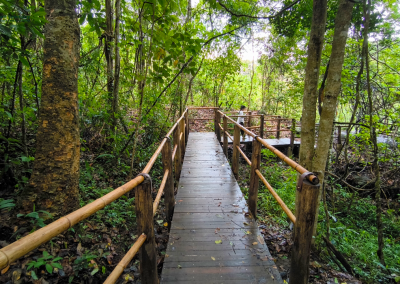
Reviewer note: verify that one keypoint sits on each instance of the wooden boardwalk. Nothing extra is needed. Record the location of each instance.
(211, 238)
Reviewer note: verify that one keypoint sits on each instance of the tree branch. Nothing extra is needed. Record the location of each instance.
(183, 68)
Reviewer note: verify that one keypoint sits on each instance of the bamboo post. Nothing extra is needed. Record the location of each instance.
(178, 157)
(218, 117)
(182, 141)
(292, 131)
(145, 222)
(249, 121)
(169, 197)
(225, 136)
(255, 165)
(187, 126)
(262, 126)
(278, 127)
(306, 209)
(235, 156)
(339, 138)
(215, 121)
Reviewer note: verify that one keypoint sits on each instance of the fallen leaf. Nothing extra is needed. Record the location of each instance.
(79, 249)
(260, 239)
(255, 243)
(218, 242)
(166, 224)
(179, 266)
(246, 224)
(5, 270)
(213, 258)
(247, 232)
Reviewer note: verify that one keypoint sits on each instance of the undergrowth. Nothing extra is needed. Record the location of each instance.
(352, 230)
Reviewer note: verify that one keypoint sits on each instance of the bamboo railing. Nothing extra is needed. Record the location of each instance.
(306, 197)
(145, 209)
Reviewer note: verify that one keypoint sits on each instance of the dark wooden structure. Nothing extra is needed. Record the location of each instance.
(212, 239)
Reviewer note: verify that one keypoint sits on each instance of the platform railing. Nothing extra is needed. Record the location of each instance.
(172, 157)
(306, 195)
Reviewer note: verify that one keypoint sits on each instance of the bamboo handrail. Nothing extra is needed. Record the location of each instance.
(244, 155)
(220, 126)
(116, 273)
(251, 127)
(277, 198)
(280, 130)
(201, 118)
(271, 190)
(227, 134)
(252, 115)
(21, 247)
(28, 243)
(241, 127)
(203, 107)
(160, 191)
(312, 178)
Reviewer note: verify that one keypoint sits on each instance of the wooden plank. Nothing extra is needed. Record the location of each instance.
(210, 207)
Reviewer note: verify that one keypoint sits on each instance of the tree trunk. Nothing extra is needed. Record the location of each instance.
(375, 165)
(108, 56)
(311, 83)
(332, 90)
(55, 178)
(117, 64)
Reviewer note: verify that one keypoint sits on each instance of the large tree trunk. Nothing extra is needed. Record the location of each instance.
(311, 83)
(332, 90)
(54, 182)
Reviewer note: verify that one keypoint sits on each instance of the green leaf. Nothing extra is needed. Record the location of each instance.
(218, 242)
(5, 31)
(36, 216)
(57, 258)
(39, 263)
(46, 255)
(49, 268)
(56, 265)
(94, 271)
(24, 61)
(70, 279)
(30, 265)
(33, 274)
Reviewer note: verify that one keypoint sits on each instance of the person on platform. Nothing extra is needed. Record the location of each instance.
(241, 119)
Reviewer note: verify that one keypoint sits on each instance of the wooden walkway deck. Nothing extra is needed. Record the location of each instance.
(211, 238)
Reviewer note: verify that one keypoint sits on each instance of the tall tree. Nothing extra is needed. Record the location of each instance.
(332, 89)
(310, 95)
(53, 185)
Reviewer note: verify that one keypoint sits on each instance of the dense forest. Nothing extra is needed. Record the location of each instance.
(89, 88)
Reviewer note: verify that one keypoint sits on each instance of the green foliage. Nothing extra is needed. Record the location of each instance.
(6, 203)
(49, 261)
(37, 218)
(82, 263)
(283, 180)
(354, 234)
